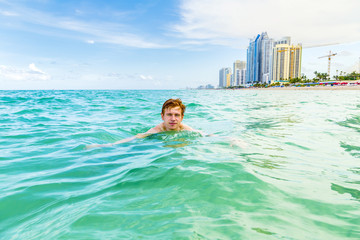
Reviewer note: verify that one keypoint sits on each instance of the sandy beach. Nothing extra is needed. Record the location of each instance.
(351, 87)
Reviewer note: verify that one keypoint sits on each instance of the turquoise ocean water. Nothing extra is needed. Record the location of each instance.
(297, 176)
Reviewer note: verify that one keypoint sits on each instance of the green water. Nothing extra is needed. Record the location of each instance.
(297, 176)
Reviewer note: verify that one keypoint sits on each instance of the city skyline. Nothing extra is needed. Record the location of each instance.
(52, 44)
(267, 61)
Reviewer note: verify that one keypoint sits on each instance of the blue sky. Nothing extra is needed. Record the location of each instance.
(172, 44)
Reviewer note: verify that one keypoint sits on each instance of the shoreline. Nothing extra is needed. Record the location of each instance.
(355, 87)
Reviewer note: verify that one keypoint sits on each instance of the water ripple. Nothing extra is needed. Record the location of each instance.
(295, 174)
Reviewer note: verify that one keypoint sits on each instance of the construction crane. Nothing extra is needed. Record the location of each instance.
(329, 57)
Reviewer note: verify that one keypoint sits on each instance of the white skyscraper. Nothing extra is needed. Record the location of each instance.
(224, 75)
(237, 67)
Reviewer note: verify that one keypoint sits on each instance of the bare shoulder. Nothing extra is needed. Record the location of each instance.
(186, 127)
(156, 129)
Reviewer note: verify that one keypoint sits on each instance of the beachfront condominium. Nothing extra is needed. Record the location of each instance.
(259, 57)
(284, 40)
(224, 77)
(286, 62)
(238, 73)
(228, 79)
(242, 77)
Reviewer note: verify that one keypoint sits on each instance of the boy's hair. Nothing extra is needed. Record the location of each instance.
(172, 103)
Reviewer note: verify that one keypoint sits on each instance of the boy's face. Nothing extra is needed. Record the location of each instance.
(172, 118)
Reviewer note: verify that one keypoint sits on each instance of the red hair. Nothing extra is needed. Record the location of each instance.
(172, 103)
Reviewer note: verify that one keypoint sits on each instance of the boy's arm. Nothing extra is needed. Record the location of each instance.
(233, 141)
(129, 139)
(188, 128)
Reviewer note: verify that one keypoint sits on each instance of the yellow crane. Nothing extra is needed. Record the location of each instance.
(329, 57)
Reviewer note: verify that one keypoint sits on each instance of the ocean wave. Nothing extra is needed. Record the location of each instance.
(296, 175)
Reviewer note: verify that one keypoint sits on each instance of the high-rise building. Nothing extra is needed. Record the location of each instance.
(259, 56)
(228, 79)
(252, 61)
(242, 77)
(237, 67)
(223, 76)
(284, 40)
(286, 62)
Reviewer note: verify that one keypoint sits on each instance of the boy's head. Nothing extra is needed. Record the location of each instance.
(173, 103)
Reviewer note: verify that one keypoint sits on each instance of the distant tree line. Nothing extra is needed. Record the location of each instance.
(350, 76)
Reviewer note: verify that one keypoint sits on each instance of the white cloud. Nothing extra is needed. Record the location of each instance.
(127, 77)
(8, 14)
(143, 77)
(306, 21)
(35, 70)
(132, 81)
(345, 53)
(102, 32)
(99, 31)
(32, 73)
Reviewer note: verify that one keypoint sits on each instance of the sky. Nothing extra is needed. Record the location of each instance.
(162, 44)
